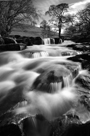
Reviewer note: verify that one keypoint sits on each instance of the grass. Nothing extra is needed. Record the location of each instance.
(30, 31)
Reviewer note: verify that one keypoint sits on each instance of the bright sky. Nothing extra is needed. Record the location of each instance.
(75, 5)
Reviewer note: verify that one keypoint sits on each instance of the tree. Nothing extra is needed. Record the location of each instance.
(84, 20)
(58, 16)
(70, 30)
(16, 12)
(80, 31)
(45, 28)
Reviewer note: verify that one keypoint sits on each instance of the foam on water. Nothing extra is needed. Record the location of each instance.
(26, 78)
(50, 106)
(46, 41)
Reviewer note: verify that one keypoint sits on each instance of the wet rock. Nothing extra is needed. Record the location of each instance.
(77, 130)
(9, 47)
(38, 41)
(51, 79)
(10, 130)
(38, 125)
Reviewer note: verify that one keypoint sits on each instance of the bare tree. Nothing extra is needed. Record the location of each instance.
(16, 12)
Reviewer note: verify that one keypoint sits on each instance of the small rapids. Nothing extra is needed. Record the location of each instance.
(46, 41)
(49, 86)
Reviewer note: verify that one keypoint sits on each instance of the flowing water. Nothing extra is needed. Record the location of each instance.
(46, 41)
(49, 86)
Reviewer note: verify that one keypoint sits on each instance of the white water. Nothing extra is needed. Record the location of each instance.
(18, 71)
(46, 41)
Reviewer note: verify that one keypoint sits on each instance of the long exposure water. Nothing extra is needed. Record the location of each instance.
(46, 83)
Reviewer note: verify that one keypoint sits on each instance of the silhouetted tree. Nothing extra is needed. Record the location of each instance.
(58, 16)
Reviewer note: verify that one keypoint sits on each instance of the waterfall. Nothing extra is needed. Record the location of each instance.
(40, 54)
(47, 41)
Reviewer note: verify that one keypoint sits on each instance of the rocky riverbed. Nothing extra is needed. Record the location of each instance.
(45, 91)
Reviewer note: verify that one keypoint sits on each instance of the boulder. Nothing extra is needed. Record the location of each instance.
(9, 40)
(9, 47)
(10, 130)
(52, 40)
(56, 40)
(38, 41)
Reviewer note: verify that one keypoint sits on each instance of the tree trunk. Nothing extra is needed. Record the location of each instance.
(59, 32)
(5, 31)
(59, 26)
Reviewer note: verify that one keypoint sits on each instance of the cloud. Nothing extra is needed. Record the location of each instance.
(43, 5)
(75, 7)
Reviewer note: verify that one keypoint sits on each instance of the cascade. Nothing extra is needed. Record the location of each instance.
(50, 86)
(47, 41)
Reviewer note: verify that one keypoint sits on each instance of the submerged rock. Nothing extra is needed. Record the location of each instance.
(56, 75)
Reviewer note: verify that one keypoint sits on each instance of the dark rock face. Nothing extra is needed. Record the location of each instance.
(32, 40)
(56, 40)
(33, 126)
(61, 127)
(52, 40)
(77, 130)
(17, 36)
(9, 47)
(84, 59)
(10, 130)
(8, 40)
(1, 40)
(9, 44)
(85, 47)
(40, 127)
(28, 41)
(19, 40)
(38, 41)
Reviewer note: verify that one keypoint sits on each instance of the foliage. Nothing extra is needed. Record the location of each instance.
(84, 19)
(80, 31)
(58, 15)
(14, 12)
(70, 30)
(45, 29)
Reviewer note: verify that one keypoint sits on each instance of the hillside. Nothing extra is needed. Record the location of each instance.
(30, 31)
